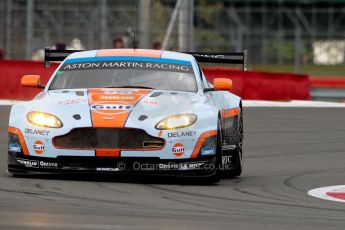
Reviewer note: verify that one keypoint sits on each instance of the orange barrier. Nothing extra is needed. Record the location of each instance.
(248, 85)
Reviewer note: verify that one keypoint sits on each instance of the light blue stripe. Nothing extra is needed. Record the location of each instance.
(123, 58)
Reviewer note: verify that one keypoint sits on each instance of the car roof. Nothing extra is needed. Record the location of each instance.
(132, 53)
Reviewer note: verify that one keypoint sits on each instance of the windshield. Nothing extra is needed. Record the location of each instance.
(163, 74)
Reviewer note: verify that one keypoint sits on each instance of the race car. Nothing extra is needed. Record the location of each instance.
(129, 111)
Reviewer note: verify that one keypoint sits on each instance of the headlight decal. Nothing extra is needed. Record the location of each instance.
(176, 122)
(44, 120)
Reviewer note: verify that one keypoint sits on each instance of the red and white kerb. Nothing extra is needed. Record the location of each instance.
(333, 193)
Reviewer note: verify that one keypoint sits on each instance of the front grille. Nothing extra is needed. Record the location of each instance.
(108, 138)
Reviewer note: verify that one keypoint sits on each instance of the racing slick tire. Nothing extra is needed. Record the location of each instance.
(215, 178)
(237, 153)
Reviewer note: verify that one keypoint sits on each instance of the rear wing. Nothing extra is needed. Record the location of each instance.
(56, 55)
(239, 58)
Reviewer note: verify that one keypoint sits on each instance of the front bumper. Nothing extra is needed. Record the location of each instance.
(186, 157)
(19, 164)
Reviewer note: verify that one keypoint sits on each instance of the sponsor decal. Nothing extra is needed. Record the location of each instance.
(39, 147)
(168, 166)
(191, 165)
(44, 164)
(42, 132)
(107, 169)
(207, 151)
(14, 148)
(112, 97)
(182, 134)
(37, 164)
(119, 91)
(333, 193)
(226, 160)
(178, 149)
(228, 147)
(150, 102)
(84, 65)
(72, 101)
(118, 64)
(111, 108)
(212, 55)
(28, 163)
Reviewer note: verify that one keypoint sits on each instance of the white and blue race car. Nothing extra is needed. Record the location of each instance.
(128, 111)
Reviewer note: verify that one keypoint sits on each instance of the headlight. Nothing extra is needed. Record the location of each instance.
(177, 122)
(44, 120)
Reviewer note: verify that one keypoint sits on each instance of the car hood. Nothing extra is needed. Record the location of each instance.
(118, 107)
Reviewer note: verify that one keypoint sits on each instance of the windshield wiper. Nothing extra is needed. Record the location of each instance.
(128, 86)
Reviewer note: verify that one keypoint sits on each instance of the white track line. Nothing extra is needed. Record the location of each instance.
(256, 103)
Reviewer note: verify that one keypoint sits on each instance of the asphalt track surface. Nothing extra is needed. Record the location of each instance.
(288, 151)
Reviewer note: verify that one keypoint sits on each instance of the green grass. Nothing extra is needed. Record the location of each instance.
(312, 70)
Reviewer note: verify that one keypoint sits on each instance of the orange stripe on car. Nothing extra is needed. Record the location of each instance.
(21, 139)
(201, 141)
(107, 153)
(107, 112)
(129, 53)
(231, 112)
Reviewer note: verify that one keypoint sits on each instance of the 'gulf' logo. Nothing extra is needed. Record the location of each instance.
(178, 149)
(111, 108)
(39, 147)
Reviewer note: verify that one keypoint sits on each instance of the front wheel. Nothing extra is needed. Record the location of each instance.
(217, 174)
(237, 153)
(237, 171)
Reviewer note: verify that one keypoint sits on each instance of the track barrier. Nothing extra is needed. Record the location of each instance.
(254, 85)
(327, 82)
(250, 85)
(11, 72)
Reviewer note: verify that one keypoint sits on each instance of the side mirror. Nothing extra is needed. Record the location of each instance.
(222, 84)
(31, 81)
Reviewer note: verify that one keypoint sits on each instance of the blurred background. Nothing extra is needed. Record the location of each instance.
(295, 36)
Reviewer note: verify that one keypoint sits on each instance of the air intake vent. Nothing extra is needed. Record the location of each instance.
(109, 138)
(153, 144)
